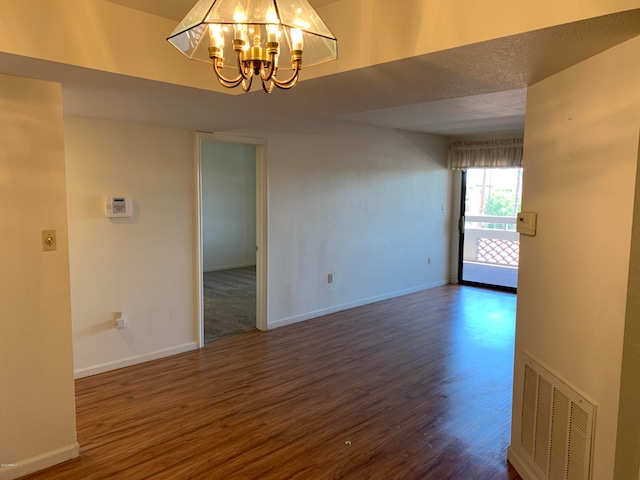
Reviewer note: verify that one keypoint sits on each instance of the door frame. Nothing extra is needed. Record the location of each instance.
(463, 207)
(461, 232)
(261, 226)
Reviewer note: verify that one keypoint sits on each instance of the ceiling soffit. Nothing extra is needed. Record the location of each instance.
(373, 94)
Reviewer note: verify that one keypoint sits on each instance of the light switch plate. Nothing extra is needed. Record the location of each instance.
(49, 242)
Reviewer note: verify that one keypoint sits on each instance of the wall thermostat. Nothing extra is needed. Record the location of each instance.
(118, 206)
(526, 223)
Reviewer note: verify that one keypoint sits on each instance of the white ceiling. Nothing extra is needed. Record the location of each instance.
(470, 90)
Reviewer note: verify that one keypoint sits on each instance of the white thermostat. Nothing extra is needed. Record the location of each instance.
(526, 223)
(118, 206)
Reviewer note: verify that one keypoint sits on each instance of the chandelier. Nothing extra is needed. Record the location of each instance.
(257, 33)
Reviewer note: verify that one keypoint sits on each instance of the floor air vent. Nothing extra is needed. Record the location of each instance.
(556, 428)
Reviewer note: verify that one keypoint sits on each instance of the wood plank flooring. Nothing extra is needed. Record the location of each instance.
(417, 387)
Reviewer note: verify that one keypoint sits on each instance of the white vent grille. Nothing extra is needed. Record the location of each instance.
(556, 427)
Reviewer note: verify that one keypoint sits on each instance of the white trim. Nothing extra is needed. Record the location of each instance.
(357, 303)
(521, 464)
(199, 260)
(39, 462)
(229, 267)
(127, 362)
(262, 235)
(455, 184)
(226, 138)
(261, 226)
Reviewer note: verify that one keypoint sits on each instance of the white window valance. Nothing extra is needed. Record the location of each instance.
(489, 154)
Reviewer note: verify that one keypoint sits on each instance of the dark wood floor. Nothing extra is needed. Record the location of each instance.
(417, 387)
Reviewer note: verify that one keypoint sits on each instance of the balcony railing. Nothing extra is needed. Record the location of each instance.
(491, 240)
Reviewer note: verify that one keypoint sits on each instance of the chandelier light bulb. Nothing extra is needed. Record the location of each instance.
(216, 36)
(239, 15)
(296, 39)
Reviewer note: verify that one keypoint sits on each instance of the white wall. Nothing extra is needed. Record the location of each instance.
(628, 441)
(362, 203)
(142, 266)
(228, 205)
(37, 400)
(580, 161)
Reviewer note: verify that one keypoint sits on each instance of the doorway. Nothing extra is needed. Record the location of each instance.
(489, 242)
(231, 236)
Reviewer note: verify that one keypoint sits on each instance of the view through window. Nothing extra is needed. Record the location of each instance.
(491, 247)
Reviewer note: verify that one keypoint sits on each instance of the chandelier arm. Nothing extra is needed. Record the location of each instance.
(242, 68)
(250, 69)
(288, 85)
(264, 75)
(246, 87)
(272, 68)
(291, 81)
(268, 88)
(225, 82)
(245, 68)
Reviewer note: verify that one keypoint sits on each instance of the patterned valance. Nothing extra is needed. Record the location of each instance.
(489, 154)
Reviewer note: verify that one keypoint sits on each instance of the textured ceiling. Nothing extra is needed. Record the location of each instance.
(479, 114)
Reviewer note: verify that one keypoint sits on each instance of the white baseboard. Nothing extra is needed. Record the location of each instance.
(127, 362)
(229, 267)
(521, 465)
(39, 462)
(346, 306)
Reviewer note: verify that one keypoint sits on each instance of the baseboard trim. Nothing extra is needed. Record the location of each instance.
(521, 465)
(346, 306)
(127, 362)
(39, 462)
(229, 267)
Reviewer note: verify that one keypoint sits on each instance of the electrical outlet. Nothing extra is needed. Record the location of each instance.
(118, 320)
(330, 278)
